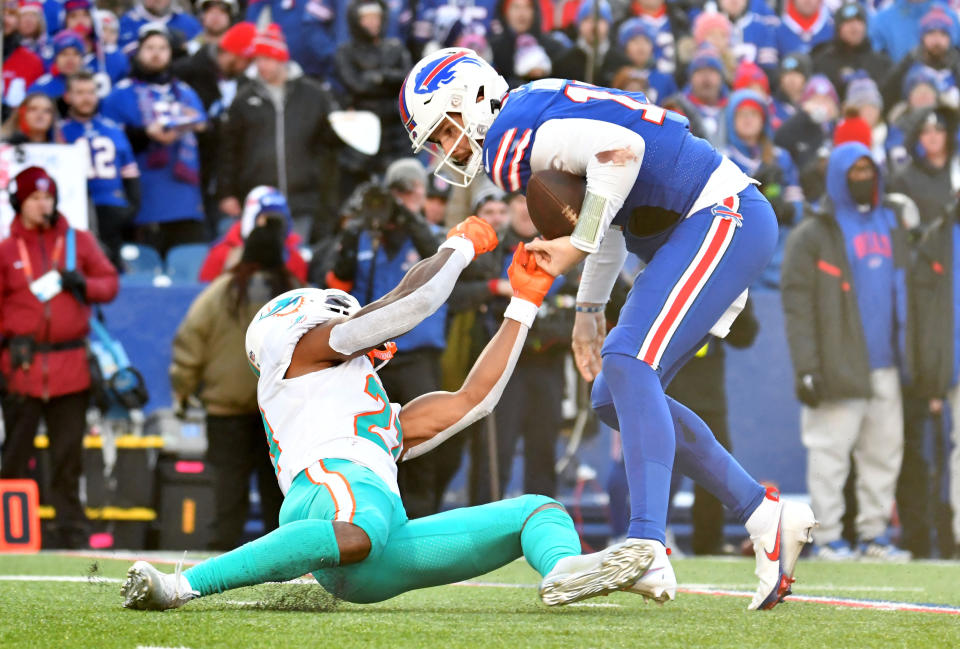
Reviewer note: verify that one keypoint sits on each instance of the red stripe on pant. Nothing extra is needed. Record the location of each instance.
(686, 293)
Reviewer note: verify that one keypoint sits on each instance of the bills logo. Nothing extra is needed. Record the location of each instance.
(440, 73)
(284, 307)
(727, 210)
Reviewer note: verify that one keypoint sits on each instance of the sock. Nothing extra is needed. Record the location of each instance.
(646, 431)
(547, 537)
(764, 514)
(701, 457)
(288, 552)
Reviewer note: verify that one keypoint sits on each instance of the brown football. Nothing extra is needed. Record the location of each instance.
(553, 200)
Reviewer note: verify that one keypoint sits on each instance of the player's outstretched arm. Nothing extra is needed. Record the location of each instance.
(429, 420)
(422, 291)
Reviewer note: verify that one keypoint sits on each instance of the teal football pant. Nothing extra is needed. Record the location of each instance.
(405, 555)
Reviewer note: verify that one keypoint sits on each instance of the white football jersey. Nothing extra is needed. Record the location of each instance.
(338, 413)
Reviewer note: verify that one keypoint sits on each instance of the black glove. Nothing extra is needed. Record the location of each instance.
(74, 282)
(808, 390)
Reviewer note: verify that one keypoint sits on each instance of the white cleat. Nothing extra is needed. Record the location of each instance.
(148, 589)
(777, 550)
(658, 582)
(600, 573)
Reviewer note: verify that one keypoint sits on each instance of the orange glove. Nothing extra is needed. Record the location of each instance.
(480, 233)
(529, 281)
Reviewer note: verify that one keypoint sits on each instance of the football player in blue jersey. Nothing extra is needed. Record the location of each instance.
(113, 177)
(705, 233)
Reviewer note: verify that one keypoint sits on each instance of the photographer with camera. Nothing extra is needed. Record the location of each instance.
(385, 236)
(750, 145)
(49, 276)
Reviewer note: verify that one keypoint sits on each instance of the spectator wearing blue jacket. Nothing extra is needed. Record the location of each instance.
(68, 51)
(750, 145)
(754, 36)
(109, 62)
(308, 28)
(160, 115)
(155, 11)
(896, 29)
(935, 54)
(637, 43)
(803, 25)
(844, 297)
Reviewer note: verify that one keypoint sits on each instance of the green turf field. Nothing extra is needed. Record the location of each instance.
(87, 612)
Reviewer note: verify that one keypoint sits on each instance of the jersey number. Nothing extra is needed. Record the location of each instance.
(583, 94)
(103, 157)
(366, 423)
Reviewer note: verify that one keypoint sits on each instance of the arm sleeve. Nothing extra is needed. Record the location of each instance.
(101, 276)
(366, 330)
(607, 154)
(131, 187)
(601, 269)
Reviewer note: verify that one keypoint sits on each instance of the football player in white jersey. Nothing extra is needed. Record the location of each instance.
(335, 439)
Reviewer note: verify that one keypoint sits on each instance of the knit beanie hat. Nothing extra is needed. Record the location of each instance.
(271, 44)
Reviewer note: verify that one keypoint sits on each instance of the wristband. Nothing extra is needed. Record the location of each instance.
(461, 245)
(523, 311)
(589, 309)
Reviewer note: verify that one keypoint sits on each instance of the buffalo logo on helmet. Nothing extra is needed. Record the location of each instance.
(439, 73)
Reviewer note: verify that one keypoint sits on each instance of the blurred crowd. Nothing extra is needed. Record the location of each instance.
(228, 124)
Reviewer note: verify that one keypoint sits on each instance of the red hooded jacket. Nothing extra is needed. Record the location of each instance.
(61, 319)
(216, 260)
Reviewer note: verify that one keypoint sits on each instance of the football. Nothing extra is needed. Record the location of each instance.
(553, 200)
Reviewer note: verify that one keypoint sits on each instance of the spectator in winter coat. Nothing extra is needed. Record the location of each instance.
(442, 23)
(34, 122)
(928, 178)
(21, 67)
(68, 50)
(371, 69)
(111, 63)
(934, 54)
(803, 25)
(863, 98)
(577, 62)
(155, 11)
(113, 180)
(707, 91)
(713, 30)
(216, 16)
(750, 145)
(44, 357)
(517, 19)
(260, 205)
(216, 72)
(208, 360)
(160, 115)
(397, 21)
(307, 27)
(806, 135)
(277, 132)
(845, 306)
(895, 30)
(637, 46)
(920, 91)
(850, 50)
(665, 25)
(795, 70)
(754, 35)
(32, 29)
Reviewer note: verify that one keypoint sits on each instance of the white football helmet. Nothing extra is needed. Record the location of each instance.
(450, 81)
(287, 309)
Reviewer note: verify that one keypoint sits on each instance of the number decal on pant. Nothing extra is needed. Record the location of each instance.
(581, 94)
(366, 424)
(19, 518)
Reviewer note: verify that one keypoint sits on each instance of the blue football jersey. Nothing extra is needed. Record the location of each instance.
(111, 158)
(675, 164)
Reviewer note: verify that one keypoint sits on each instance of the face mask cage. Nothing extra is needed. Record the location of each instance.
(448, 169)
